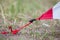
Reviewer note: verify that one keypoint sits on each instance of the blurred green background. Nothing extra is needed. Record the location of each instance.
(19, 12)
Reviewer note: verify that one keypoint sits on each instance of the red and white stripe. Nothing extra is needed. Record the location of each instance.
(53, 13)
